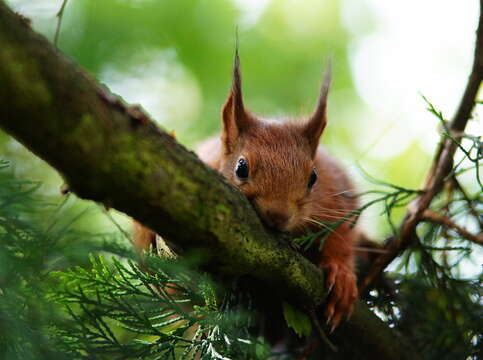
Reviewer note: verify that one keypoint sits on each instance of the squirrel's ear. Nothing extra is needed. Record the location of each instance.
(313, 129)
(235, 118)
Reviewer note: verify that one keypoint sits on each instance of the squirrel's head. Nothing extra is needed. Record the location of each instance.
(272, 162)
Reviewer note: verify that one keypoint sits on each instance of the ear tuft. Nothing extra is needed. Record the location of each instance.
(313, 129)
(235, 118)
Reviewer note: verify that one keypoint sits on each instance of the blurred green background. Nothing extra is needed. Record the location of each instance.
(174, 58)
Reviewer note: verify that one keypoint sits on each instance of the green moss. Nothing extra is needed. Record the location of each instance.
(84, 130)
(24, 73)
(222, 212)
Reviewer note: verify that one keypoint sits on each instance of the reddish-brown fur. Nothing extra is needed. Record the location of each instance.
(281, 157)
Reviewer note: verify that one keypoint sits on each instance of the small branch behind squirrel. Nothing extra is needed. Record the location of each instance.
(438, 218)
(441, 167)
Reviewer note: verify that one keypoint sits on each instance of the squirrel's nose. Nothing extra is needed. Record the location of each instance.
(276, 219)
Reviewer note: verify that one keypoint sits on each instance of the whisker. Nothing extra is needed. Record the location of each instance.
(329, 216)
(340, 193)
(332, 231)
(335, 216)
(346, 210)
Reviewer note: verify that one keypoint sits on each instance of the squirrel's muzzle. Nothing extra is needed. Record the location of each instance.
(276, 219)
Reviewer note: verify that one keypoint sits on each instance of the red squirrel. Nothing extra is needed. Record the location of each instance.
(293, 183)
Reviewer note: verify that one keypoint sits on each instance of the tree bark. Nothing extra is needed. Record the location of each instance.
(115, 155)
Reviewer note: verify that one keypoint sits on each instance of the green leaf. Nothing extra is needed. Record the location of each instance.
(262, 349)
(297, 320)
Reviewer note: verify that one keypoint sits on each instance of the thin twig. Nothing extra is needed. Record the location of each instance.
(468, 200)
(59, 21)
(441, 167)
(446, 212)
(321, 332)
(438, 218)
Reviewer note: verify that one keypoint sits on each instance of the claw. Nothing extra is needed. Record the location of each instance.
(336, 318)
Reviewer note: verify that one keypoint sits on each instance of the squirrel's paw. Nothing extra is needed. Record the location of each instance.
(342, 288)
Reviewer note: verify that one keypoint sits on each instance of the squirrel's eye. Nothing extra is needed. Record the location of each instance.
(241, 169)
(312, 179)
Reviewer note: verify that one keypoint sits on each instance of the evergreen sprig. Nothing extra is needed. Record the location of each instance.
(159, 311)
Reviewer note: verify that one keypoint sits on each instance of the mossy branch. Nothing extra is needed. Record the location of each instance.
(115, 155)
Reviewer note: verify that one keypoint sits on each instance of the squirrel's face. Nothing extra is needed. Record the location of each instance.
(272, 162)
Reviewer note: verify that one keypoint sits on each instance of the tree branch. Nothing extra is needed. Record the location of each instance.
(469, 202)
(438, 218)
(115, 155)
(441, 167)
